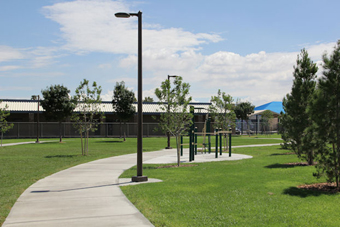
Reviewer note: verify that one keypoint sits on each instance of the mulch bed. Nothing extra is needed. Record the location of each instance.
(323, 187)
(298, 164)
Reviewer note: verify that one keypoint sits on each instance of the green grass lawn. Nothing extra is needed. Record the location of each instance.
(255, 192)
(22, 165)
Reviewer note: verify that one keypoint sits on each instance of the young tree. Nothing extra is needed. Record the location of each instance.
(325, 113)
(296, 120)
(122, 103)
(174, 102)
(58, 104)
(4, 125)
(90, 116)
(242, 111)
(222, 110)
(265, 118)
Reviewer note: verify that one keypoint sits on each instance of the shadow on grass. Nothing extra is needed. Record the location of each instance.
(287, 153)
(277, 165)
(115, 141)
(303, 193)
(61, 156)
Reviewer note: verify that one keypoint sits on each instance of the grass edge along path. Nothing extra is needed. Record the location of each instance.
(262, 191)
(21, 166)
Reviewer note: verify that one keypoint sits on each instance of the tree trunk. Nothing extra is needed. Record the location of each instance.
(81, 142)
(2, 136)
(120, 126)
(60, 133)
(124, 131)
(311, 158)
(178, 149)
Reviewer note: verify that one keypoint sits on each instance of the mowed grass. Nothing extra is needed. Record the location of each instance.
(255, 192)
(23, 165)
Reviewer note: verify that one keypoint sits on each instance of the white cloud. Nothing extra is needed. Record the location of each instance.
(91, 26)
(107, 96)
(8, 54)
(9, 67)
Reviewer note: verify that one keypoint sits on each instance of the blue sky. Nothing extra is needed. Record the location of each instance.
(245, 48)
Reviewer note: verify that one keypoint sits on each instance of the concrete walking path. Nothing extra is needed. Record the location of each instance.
(89, 194)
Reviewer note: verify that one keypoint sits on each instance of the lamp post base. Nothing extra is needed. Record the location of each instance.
(139, 178)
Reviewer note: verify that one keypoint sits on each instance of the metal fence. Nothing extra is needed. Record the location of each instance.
(51, 129)
(256, 127)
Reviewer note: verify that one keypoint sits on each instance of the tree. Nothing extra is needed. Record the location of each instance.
(242, 111)
(148, 99)
(58, 104)
(296, 120)
(122, 103)
(222, 110)
(325, 113)
(265, 118)
(4, 125)
(174, 102)
(90, 115)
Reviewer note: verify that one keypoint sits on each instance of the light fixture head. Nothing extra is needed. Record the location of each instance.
(122, 15)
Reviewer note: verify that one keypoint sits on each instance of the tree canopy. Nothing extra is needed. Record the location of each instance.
(243, 111)
(57, 103)
(88, 102)
(222, 110)
(174, 103)
(325, 113)
(122, 102)
(296, 120)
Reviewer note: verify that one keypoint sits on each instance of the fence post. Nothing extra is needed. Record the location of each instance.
(216, 143)
(229, 144)
(181, 145)
(195, 140)
(221, 135)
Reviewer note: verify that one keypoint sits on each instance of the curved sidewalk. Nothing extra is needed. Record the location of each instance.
(89, 194)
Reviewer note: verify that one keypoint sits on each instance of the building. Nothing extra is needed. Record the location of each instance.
(24, 115)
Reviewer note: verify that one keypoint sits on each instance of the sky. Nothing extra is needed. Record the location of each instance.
(245, 48)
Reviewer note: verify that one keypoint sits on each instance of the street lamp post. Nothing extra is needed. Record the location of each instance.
(168, 133)
(34, 97)
(139, 176)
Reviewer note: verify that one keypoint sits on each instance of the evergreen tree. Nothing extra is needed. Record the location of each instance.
(325, 112)
(296, 120)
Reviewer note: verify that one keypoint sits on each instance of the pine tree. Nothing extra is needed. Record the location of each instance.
(296, 120)
(325, 112)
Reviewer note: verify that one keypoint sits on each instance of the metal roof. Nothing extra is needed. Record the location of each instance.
(27, 106)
